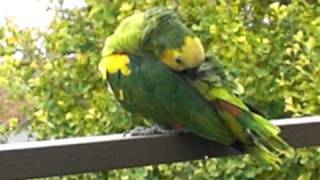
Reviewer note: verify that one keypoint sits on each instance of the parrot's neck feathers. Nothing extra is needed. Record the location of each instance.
(163, 29)
(156, 21)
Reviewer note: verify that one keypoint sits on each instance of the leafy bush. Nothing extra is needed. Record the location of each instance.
(271, 48)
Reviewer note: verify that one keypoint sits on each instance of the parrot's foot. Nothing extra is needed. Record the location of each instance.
(146, 131)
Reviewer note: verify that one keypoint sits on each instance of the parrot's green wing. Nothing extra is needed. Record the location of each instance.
(126, 37)
(257, 135)
(155, 92)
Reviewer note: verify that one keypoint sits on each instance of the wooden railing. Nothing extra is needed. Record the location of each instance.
(88, 154)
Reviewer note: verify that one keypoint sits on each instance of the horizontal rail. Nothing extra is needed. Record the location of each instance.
(88, 154)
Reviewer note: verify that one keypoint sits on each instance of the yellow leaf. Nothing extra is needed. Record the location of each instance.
(289, 51)
(41, 115)
(11, 40)
(303, 60)
(310, 43)
(92, 111)
(48, 66)
(296, 48)
(69, 115)
(316, 21)
(265, 41)
(241, 39)
(126, 6)
(213, 29)
(81, 58)
(3, 80)
(61, 103)
(13, 122)
(275, 6)
(38, 113)
(298, 36)
(88, 116)
(34, 81)
(34, 65)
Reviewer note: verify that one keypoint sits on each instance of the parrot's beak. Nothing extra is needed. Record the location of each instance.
(191, 73)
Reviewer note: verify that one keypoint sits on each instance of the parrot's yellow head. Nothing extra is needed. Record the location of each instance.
(190, 55)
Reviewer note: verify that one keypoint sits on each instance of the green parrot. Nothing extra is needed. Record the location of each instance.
(144, 32)
(157, 68)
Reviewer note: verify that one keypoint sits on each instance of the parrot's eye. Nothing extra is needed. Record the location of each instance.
(179, 60)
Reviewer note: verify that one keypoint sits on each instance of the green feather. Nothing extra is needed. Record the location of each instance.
(126, 37)
(257, 135)
(154, 30)
(155, 92)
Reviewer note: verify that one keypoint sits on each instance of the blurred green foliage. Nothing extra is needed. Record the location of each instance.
(270, 47)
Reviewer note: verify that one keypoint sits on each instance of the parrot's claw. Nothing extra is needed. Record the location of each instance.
(147, 131)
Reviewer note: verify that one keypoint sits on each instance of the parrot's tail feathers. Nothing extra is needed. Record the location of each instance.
(268, 134)
(267, 145)
(264, 156)
(261, 137)
(260, 152)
